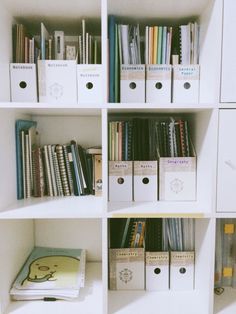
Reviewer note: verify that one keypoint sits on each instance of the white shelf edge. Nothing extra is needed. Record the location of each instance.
(55, 207)
(225, 214)
(157, 209)
(106, 105)
(173, 106)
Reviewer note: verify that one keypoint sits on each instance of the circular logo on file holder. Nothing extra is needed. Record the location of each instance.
(56, 90)
(126, 275)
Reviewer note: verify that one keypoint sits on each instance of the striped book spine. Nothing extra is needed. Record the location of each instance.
(62, 168)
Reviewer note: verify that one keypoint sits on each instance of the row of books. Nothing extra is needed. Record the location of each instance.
(225, 253)
(25, 48)
(162, 45)
(158, 41)
(54, 169)
(50, 274)
(149, 138)
(56, 46)
(156, 264)
(153, 234)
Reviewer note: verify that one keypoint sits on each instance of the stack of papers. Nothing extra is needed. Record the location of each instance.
(50, 273)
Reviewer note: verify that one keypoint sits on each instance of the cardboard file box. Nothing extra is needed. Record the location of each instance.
(23, 82)
(132, 84)
(177, 178)
(89, 80)
(120, 180)
(157, 271)
(186, 83)
(126, 269)
(145, 180)
(57, 81)
(182, 271)
(158, 83)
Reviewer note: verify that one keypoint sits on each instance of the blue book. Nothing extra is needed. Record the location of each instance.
(111, 37)
(164, 43)
(21, 125)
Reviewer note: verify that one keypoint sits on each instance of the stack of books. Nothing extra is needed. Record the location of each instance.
(50, 274)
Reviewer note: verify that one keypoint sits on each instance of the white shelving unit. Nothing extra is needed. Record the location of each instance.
(82, 221)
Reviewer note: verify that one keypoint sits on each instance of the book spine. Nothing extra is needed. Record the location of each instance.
(57, 171)
(68, 170)
(62, 168)
(52, 170)
(38, 173)
(76, 167)
(47, 171)
(182, 138)
(72, 168)
(27, 168)
(98, 175)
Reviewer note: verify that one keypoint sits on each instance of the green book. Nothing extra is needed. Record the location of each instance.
(159, 50)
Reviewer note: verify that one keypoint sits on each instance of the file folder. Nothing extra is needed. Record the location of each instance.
(182, 271)
(177, 180)
(132, 84)
(89, 80)
(126, 269)
(120, 180)
(157, 271)
(145, 180)
(186, 83)
(158, 83)
(23, 82)
(57, 81)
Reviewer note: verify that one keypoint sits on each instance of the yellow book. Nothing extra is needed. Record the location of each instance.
(150, 43)
(155, 42)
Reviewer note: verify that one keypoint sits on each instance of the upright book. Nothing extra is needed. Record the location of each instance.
(21, 125)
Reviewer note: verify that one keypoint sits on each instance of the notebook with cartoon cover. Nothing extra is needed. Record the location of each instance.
(50, 272)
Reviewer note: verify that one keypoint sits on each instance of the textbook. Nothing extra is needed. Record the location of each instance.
(50, 273)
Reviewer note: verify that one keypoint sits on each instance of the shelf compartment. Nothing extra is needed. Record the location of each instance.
(198, 300)
(24, 234)
(204, 137)
(55, 126)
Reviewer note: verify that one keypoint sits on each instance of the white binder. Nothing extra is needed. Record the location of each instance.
(57, 81)
(132, 83)
(145, 180)
(157, 271)
(158, 83)
(182, 271)
(23, 82)
(120, 180)
(89, 80)
(177, 178)
(186, 83)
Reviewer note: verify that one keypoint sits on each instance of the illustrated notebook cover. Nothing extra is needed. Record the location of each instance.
(51, 271)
